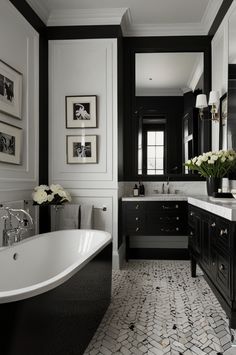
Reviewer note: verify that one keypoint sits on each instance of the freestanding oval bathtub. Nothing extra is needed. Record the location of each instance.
(54, 291)
(45, 261)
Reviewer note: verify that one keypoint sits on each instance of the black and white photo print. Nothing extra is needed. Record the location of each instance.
(81, 149)
(10, 143)
(10, 90)
(81, 112)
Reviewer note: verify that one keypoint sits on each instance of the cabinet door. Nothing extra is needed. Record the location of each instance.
(207, 237)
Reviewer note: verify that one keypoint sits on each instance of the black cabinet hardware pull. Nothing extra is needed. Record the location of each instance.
(223, 231)
(137, 229)
(137, 218)
(213, 224)
(177, 218)
(222, 267)
(191, 233)
(176, 206)
(177, 229)
(191, 213)
(137, 206)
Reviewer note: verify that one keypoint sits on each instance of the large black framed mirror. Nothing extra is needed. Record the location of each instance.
(145, 117)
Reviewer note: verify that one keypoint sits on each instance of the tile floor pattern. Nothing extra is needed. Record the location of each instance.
(158, 308)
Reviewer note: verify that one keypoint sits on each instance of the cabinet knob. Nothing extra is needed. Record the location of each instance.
(191, 233)
(137, 206)
(213, 263)
(137, 229)
(213, 225)
(177, 229)
(177, 218)
(222, 267)
(137, 218)
(223, 231)
(191, 213)
(176, 206)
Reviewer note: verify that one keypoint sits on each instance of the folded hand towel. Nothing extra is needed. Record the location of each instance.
(69, 217)
(86, 217)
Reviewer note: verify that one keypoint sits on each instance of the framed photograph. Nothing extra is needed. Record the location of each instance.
(223, 121)
(81, 149)
(81, 111)
(10, 143)
(10, 90)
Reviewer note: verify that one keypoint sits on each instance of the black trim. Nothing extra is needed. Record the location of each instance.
(219, 17)
(28, 13)
(83, 32)
(174, 44)
(159, 253)
(43, 110)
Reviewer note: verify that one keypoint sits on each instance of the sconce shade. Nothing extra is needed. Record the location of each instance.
(213, 97)
(201, 101)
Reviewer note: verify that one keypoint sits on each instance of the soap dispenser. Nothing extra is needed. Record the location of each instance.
(135, 190)
(141, 189)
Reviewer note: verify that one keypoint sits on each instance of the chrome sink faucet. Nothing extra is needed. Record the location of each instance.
(14, 234)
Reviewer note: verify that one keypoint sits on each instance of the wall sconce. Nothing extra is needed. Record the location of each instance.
(201, 103)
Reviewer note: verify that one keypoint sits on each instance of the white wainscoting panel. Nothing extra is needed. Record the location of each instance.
(20, 49)
(84, 67)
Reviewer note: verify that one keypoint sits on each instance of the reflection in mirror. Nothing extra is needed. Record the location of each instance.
(166, 85)
(230, 122)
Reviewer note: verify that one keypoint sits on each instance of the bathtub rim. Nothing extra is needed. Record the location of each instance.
(55, 281)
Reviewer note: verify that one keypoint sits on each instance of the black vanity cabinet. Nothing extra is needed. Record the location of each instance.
(212, 246)
(153, 218)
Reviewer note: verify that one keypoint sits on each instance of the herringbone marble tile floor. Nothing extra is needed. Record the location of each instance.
(158, 308)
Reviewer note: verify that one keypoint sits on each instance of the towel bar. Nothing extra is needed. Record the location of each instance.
(103, 208)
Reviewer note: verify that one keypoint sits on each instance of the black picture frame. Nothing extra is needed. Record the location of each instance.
(10, 90)
(81, 149)
(81, 111)
(10, 143)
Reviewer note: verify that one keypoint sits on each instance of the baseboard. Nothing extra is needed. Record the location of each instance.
(159, 253)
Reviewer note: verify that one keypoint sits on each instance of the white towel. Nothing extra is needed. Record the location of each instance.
(86, 217)
(69, 217)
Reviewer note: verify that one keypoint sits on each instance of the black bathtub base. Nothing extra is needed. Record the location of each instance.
(61, 321)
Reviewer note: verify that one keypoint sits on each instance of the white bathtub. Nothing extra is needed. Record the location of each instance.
(45, 261)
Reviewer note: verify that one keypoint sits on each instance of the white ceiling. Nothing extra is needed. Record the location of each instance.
(167, 74)
(137, 17)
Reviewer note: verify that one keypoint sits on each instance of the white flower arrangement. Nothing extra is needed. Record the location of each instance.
(50, 195)
(214, 164)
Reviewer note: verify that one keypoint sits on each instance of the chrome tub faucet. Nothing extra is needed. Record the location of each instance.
(12, 234)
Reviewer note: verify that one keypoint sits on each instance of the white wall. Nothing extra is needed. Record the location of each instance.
(86, 67)
(220, 53)
(19, 44)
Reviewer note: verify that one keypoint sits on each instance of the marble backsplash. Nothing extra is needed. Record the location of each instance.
(179, 187)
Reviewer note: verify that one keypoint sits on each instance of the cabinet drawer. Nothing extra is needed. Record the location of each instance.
(135, 206)
(222, 269)
(222, 235)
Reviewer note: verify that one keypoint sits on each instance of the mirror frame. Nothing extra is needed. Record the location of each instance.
(172, 44)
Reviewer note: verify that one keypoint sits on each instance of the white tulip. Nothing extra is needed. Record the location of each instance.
(210, 161)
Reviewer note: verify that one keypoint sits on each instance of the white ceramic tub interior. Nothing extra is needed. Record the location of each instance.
(42, 262)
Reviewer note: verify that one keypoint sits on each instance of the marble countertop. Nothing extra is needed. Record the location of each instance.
(157, 197)
(222, 207)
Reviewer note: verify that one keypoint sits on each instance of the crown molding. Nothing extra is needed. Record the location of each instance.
(86, 17)
(186, 29)
(210, 14)
(40, 8)
(196, 73)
